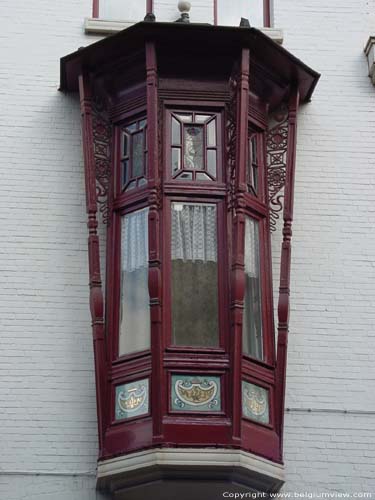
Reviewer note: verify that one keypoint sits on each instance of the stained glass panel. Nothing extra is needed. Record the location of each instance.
(176, 132)
(211, 133)
(137, 154)
(193, 147)
(211, 162)
(176, 159)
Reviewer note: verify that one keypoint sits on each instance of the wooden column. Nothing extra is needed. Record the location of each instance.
(96, 292)
(155, 281)
(237, 267)
(284, 289)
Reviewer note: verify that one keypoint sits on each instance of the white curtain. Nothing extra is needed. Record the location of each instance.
(194, 232)
(251, 248)
(134, 240)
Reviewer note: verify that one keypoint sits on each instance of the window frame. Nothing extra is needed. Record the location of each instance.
(197, 109)
(149, 7)
(256, 207)
(222, 257)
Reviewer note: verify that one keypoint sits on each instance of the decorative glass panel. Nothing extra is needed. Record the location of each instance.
(176, 132)
(201, 176)
(132, 127)
(194, 275)
(195, 393)
(176, 159)
(211, 133)
(255, 402)
(187, 118)
(125, 144)
(202, 118)
(193, 147)
(131, 185)
(137, 154)
(185, 176)
(252, 165)
(142, 123)
(132, 399)
(252, 318)
(211, 162)
(134, 331)
(126, 173)
(134, 155)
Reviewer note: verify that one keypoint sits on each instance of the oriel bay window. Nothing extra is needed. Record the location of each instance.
(189, 152)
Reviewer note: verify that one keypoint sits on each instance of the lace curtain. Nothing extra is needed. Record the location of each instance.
(194, 234)
(134, 240)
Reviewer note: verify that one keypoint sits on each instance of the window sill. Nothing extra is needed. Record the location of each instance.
(107, 27)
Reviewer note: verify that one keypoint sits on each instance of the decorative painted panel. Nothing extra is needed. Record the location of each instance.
(255, 402)
(196, 393)
(132, 399)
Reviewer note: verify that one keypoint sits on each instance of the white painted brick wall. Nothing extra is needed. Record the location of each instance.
(332, 337)
(47, 399)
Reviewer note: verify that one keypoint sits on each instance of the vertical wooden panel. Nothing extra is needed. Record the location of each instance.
(96, 293)
(155, 282)
(284, 290)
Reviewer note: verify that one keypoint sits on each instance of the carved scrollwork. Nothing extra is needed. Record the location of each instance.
(231, 139)
(102, 142)
(277, 146)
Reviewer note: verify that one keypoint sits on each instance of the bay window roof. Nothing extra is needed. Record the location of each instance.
(273, 68)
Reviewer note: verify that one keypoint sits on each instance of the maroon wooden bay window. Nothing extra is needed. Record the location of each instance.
(191, 144)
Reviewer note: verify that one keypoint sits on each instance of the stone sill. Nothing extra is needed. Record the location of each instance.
(106, 27)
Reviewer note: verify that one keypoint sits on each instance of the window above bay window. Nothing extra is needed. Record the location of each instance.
(219, 12)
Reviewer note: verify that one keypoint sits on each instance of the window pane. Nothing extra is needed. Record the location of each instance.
(125, 139)
(211, 162)
(202, 118)
(137, 154)
(211, 133)
(193, 142)
(126, 10)
(134, 331)
(252, 319)
(230, 13)
(125, 176)
(176, 132)
(203, 177)
(194, 275)
(176, 160)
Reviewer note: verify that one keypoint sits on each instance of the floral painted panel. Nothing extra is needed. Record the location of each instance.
(255, 402)
(132, 399)
(195, 393)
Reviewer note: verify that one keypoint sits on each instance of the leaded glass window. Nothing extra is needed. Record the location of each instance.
(194, 146)
(252, 171)
(134, 155)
